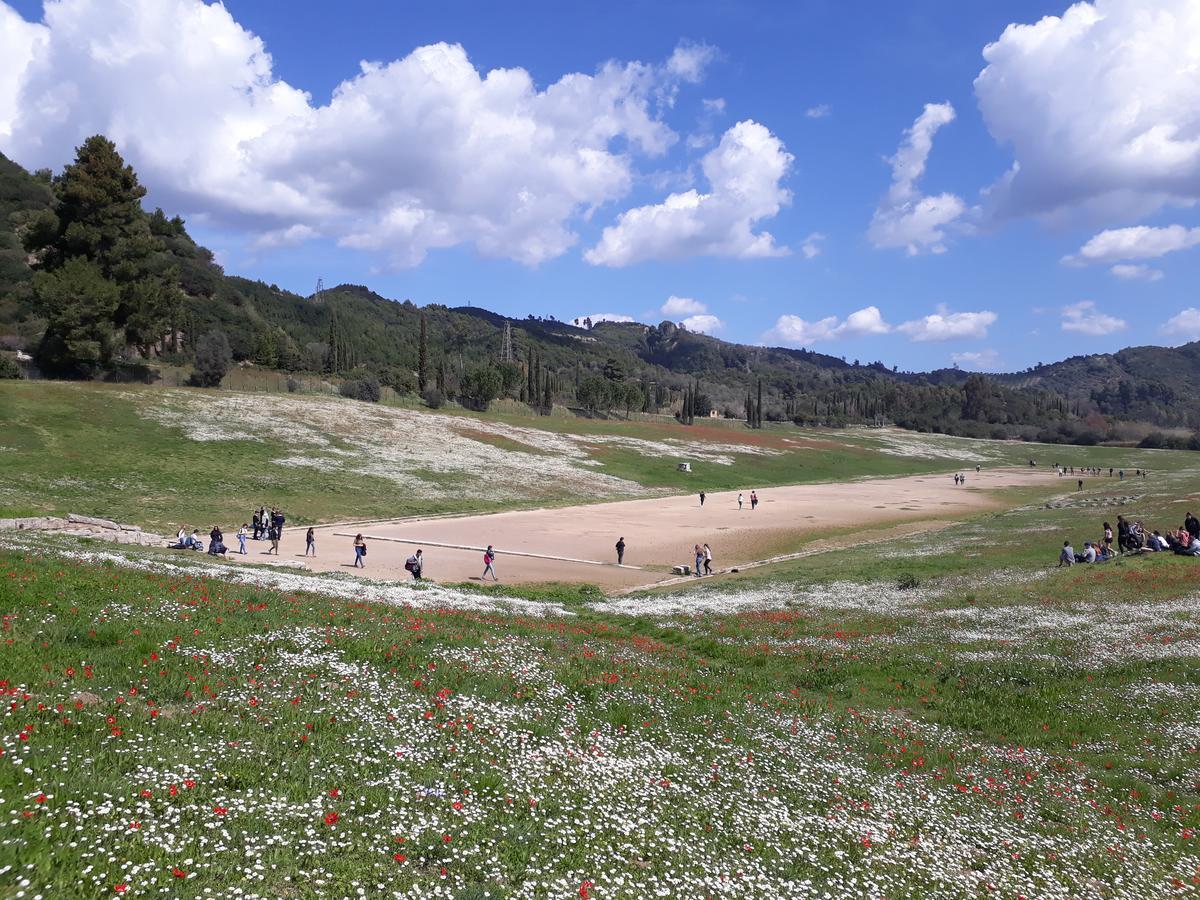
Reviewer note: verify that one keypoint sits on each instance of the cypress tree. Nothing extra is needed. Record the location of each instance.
(423, 357)
(758, 407)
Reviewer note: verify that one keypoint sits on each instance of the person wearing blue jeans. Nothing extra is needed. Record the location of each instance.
(241, 536)
(360, 550)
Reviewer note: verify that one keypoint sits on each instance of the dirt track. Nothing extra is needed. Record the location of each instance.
(659, 532)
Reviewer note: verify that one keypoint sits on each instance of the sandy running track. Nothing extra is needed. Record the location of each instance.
(659, 532)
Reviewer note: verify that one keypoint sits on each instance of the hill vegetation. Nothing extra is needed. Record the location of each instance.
(95, 287)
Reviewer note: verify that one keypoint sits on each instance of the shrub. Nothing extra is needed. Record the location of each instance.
(292, 385)
(433, 398)
(366, 389)
(908, 582)
(9, 367)
(213, 359)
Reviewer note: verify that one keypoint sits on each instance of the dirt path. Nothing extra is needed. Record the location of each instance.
(576, 544)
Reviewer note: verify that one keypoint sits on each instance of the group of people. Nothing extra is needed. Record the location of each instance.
(1097, 471)
(192, 541)
(960, 478)
(269, 525)
(1134, 537)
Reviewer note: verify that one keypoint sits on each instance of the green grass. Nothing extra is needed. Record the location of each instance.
(212, 696)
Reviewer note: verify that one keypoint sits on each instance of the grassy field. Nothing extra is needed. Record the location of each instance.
(938, 715)
(155, 457)
(199, 729)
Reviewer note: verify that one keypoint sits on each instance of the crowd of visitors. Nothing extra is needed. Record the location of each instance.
(1134, 537)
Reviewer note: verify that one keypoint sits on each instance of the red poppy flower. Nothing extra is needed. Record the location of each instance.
(331, 818)
(399, 857)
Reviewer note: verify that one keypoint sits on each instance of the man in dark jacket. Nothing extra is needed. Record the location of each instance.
(621, 551)
(1192, 524)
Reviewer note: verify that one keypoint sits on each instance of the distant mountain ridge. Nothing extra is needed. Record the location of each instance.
(1084, 398)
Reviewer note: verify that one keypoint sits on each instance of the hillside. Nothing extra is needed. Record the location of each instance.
(352, 332)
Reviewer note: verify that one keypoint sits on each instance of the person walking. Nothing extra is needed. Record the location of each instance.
(753, 500)
(739, 501)
(489, 559)
(699, 560)
(414, 564)
(241, 536)
(310, 543)
(1108, 537)
(257, 520)
(273, 534)
(360, 550)
(702, 498)
(621, 551)
(707, 560)
(1080, 483)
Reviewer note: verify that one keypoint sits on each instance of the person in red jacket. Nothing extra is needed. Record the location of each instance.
(489, 557)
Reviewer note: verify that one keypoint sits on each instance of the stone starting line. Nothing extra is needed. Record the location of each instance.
(444, 546)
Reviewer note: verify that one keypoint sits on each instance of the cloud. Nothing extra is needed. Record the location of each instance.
(597, 318)
(682, 306)
(744, 172)
(1139, 242)
(703, 324)
(1136, 273)
(947, 326)
(906, 217)
(1184, 324)
(291, 236)
(981, 361)
(820, 111)
(811, 248)
(411, 155)
(1101, 107)
(1084, 318)
(793, 331)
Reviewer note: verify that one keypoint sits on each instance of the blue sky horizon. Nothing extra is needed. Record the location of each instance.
(927, 184)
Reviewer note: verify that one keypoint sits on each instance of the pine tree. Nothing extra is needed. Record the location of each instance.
(758, 406)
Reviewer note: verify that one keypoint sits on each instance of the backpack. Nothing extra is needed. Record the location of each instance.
(410, 564)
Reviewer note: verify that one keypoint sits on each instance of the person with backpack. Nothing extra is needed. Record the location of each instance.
(620, 551)
(753, 500)
(489, 557)
(310, 543)
(360, 551)
(414, 564)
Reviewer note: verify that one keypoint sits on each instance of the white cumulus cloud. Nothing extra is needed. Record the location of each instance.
(1101, 107)
(682, 306)
(906, 217)
(1138, 242)
(744, 172)
(1085, 318)
(1184, 326)
(794, 331)
(410, 155)
(944, 325)
(703, 324)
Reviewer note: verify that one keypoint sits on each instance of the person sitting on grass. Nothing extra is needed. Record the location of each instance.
(1067, 557)
(1192, 548)
(1160, 542)
(1089, 553)
(1103, 552)
(216, 542)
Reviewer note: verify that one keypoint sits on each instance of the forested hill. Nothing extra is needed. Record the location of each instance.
(94, 286)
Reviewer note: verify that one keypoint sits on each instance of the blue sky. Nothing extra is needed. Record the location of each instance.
(1096, 107)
